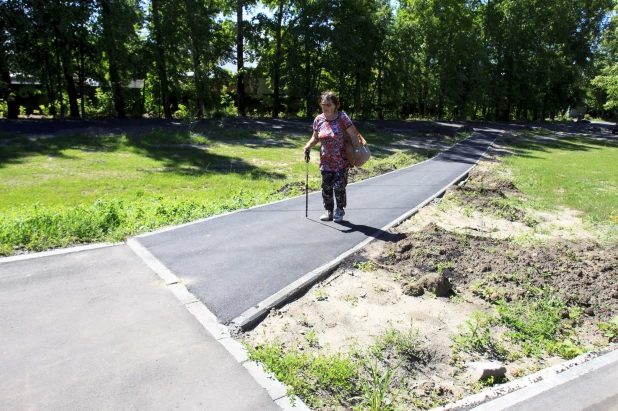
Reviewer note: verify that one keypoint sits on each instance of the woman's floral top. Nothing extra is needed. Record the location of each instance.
(332, 151)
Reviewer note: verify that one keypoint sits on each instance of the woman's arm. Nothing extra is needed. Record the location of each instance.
(312, 142)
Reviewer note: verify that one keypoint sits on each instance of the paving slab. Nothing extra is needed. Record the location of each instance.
(99, 330)
(234, 262)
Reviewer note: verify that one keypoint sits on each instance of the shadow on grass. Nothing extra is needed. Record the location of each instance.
(538, 144)
(176, 157)
(14, 150)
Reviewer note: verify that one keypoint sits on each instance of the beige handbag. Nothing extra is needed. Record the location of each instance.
(349, 147)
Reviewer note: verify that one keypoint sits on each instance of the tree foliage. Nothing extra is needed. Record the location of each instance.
(457, 59)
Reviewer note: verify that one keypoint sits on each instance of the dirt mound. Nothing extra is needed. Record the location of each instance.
(488, 192)
(583, 272)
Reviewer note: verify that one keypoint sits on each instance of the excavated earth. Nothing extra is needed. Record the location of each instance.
(460, 254)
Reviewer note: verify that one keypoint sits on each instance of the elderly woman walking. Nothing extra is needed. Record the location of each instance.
(328, 129)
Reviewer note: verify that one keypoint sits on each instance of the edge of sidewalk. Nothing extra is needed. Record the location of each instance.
(503, 396)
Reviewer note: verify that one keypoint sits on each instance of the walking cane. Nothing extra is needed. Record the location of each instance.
(307, 158)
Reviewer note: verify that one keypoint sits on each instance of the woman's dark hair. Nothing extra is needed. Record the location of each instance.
(330, 97)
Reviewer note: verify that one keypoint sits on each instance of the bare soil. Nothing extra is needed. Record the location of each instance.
(488, 250)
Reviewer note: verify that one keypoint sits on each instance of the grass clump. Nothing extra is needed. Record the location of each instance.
(542, 321)
(539, 323)
(476, 335)
(310, 375)
(610, 329)
(366, 379)
(38, 227)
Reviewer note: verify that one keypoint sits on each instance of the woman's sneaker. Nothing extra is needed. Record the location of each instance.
(339, 213)
(327, 216)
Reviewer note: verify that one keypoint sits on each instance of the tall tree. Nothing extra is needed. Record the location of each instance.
(161, 57)
(118, 21)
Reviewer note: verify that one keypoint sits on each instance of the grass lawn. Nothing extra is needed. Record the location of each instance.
(79, 188)
(577, 172)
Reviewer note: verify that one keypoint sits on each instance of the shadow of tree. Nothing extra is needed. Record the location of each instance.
(176, 157)
(14, 150)
(524, 148)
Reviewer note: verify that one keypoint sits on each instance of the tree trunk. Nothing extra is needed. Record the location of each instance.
(160, 61)
(13, 107)
(277, 68)
(59, 67)
(240, 64)
(71, 90)
(308, 48)
(197, 77)
(379, 85)
(81, 79)
(110, 49)
(119, 104)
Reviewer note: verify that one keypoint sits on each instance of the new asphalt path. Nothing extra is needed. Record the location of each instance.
(236, 262)
(139, 325)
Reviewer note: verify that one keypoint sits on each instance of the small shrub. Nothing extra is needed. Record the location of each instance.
(365, 266)
(610, 329)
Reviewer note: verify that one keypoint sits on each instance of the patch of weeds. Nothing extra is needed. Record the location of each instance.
(405, 343)
(488, 382)
(310, 375)
(458, 299)
(610, 329)
(39, 227)
(304, 320)
(352, 299)
(320, 295)
(312, 339)
(441, 266)
(365, 266)
(536, 324)
(476, 336)
(380, 289)
(572, 255)
(377, 390)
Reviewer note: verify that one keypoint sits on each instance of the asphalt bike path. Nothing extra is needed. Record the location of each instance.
(237, 263)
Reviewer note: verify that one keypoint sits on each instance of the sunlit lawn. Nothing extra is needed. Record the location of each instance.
(83, 188)
(577, 172)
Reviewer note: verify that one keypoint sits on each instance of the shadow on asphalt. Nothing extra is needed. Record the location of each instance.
(360, 228)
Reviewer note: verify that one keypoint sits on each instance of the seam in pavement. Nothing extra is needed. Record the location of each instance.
(275, 389)
(506, 395)
(257, 312)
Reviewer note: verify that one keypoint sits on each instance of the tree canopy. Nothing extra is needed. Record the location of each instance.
(454, 59)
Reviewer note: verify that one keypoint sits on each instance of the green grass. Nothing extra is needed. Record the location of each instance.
(79, 188)
(539, 324)
(577, 172)
(363, 379)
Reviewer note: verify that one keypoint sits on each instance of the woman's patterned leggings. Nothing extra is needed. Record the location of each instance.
(334, 181)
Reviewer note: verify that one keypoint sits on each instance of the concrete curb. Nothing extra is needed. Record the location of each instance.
(58, 251)
(253, 315)
(275, 389)
(506, 395)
